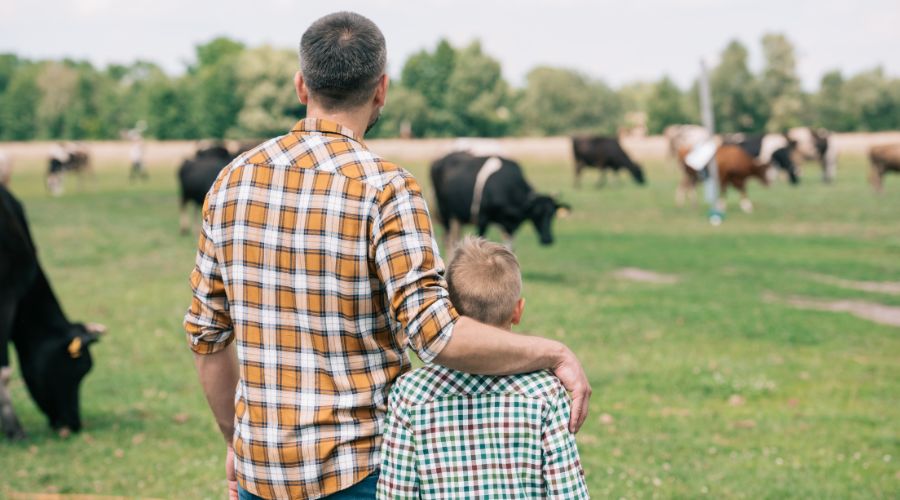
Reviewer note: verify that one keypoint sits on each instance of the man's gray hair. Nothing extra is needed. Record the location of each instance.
(342, 58)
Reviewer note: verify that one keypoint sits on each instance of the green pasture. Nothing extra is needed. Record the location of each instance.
(701, 388)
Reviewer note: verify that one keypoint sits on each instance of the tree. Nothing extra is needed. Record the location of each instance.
(477, 94)
(404, 108)
(266, 82)
(214, 82)
(57, 82)
(830, 104)
(666, 106)
(429, 73)
(737, 103)
(19, 103)
(780, 86)
(874, 100)
(216, 51)
(561, 101)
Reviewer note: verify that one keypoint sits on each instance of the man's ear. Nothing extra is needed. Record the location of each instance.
(518, 311)
(381, 91)
(300, 87)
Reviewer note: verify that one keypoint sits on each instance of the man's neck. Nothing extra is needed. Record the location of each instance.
(356, 120)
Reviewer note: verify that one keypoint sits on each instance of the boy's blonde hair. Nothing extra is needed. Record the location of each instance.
(484, 281)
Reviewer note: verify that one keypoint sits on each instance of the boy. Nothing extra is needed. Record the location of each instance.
(449, 434)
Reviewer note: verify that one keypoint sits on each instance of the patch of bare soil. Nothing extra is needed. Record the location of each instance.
(889, 287)
(863, 309)
(645, 276)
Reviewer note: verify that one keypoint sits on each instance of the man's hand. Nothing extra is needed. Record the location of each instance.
(229, 474)
(573, 378)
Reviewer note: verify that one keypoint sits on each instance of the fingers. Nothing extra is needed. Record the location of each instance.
(229, 475)
(573, 378)
(580, 400)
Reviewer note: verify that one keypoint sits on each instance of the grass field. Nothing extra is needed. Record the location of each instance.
(700, 387)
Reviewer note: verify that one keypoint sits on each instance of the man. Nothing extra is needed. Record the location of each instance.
(318, 258)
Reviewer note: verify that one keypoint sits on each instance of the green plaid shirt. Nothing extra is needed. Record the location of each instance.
(449, 434)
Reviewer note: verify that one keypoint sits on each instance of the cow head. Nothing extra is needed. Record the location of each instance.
(637, 173)
(541, 210)
(67, 359)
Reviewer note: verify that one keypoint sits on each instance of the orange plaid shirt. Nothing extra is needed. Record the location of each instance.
(318, 258)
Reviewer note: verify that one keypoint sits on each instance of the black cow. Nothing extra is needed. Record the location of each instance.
(506, 198)
(769, 149)
(197, 175)
(53, 353)
(604, 153)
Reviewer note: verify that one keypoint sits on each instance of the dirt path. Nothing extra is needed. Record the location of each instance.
(863, 309)
(889, 287)
(645, 276)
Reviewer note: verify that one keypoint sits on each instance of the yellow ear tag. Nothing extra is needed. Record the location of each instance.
(75, 348)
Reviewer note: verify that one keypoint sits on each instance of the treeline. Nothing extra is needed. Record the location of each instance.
(234, 91)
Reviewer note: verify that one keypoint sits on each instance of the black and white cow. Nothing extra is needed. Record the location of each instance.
(815, 145)
(604, 153)
(775, 150)
(484, 190)
(53, 353)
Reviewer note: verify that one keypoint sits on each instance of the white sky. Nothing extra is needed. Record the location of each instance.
(619, 41)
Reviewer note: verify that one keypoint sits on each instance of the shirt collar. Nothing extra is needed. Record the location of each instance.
(325, 127)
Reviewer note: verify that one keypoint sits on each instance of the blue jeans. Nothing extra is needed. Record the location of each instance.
(363, 490)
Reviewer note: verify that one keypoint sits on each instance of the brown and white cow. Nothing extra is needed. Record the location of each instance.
(735, 166)
(884, 158)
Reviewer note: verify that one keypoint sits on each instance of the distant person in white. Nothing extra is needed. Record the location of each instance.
(136, 136)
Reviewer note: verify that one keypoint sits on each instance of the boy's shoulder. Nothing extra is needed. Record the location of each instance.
(433, 382)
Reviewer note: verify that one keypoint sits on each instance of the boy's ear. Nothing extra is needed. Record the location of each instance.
(518, 311)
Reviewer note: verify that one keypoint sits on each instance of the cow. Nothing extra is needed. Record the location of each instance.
(67, 158)
(815, 145)
(773, 150)
(884, 158)
(734, 167)
(604, 153)
(680, 136)
(53, 353)
(484, 190)
(196, 175)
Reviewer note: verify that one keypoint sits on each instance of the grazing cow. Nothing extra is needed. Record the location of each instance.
(773, 150)
(53, 353)
(67, 158)
(815, 145)
(484, 190)
(197, 175)
(734, 166)
(884, 159)
(604, 153)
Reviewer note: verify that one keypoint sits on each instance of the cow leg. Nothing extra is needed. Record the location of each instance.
(508, 240)
(183, 221)
(682, 191)
(602, 180)
(875, 177)
(746, 204)
(579, 166)
(452, 237)
(9, 422)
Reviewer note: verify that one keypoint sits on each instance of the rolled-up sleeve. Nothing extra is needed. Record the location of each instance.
(408, 264)
(208, 322)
